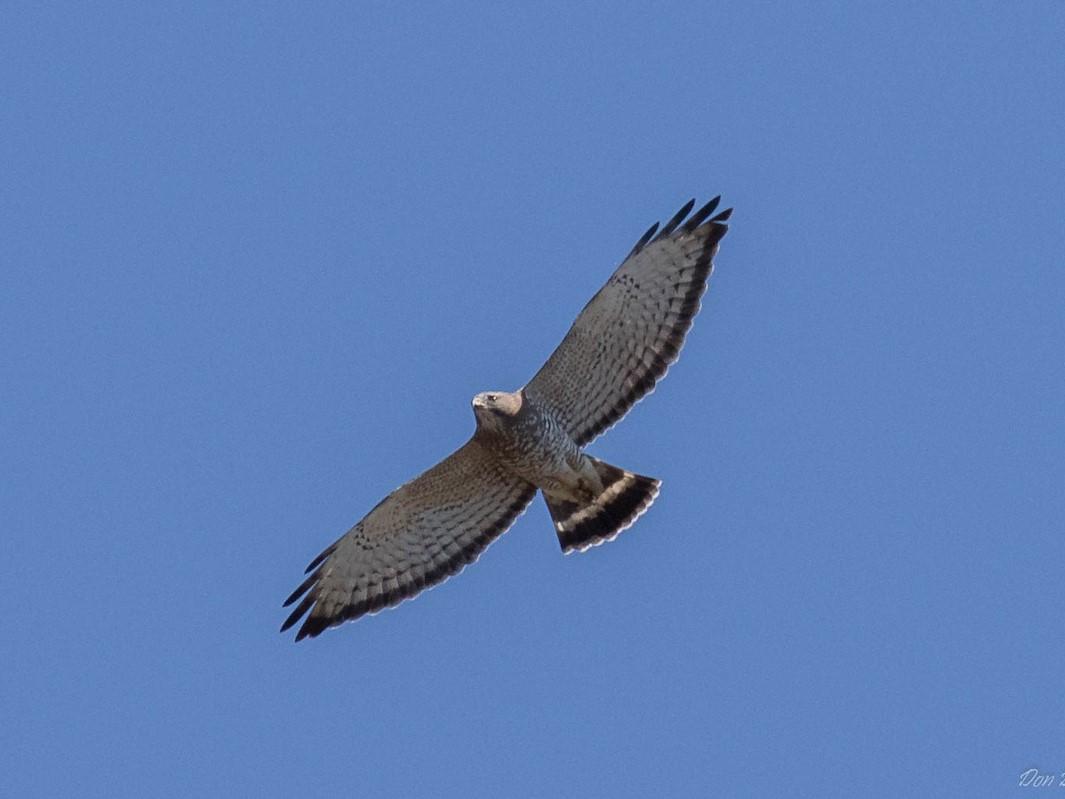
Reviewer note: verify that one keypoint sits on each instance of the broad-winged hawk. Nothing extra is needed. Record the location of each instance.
(531, 439)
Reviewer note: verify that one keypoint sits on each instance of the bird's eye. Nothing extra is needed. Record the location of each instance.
(491, 398)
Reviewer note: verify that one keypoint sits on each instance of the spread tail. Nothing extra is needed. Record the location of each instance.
(625, 496)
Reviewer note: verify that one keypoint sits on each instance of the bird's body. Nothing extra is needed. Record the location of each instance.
(531, 439)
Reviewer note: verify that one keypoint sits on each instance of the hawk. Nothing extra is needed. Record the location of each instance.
(531, 440)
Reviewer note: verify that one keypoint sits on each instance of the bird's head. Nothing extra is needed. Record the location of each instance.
(494, 408)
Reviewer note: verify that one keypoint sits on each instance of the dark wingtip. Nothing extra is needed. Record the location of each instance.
(646, 237)
(297, 614)
(690, 224)
(700, 216)
(677, 218)
(303, 588)
(313, 627)
(325, 553)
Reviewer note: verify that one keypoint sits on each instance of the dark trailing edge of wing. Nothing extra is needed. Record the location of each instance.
(314, 625)
(711, 229)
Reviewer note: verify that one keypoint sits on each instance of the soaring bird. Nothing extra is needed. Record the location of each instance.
(620, 345)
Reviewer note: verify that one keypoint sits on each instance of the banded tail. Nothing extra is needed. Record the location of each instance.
(625, 497)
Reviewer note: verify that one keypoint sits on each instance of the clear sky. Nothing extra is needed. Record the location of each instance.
(255, 261)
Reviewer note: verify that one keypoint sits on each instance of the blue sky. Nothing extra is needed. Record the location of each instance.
(256, 260)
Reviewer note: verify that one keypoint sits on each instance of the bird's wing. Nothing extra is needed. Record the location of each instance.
(633, 328)
(418, 536)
